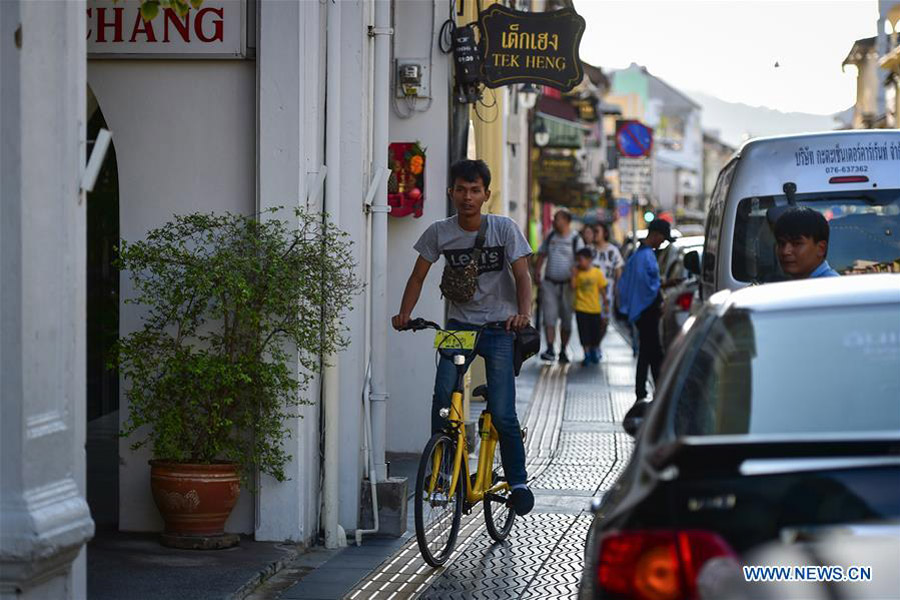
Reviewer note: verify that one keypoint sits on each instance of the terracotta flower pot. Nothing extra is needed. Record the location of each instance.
(194, 499)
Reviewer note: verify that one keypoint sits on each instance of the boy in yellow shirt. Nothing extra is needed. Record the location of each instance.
(590, 304)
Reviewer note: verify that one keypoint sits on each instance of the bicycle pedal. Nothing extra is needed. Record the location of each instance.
(497, 498)
(438, 499)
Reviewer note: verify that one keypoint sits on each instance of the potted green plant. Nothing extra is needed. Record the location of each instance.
(232, 302)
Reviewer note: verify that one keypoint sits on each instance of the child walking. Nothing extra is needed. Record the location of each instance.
(591, 302)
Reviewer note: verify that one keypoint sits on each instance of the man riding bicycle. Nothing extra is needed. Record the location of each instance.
(501, 292)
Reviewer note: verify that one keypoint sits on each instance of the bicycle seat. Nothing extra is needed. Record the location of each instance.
(480, 391)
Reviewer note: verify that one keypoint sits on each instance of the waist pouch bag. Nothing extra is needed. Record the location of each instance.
(527, 344)
(458, 283)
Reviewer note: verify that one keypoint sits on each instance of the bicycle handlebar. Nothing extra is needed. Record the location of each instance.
(420, 324)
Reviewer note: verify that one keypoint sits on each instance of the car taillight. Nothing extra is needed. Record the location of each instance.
(656, 564)
(684, 301)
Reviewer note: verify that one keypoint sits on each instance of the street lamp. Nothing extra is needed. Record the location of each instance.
(541, 135)
(528, 95)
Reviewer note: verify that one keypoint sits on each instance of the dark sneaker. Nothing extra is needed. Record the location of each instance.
(563, 358)
(634, 418)
(548, 355)
(522, 501)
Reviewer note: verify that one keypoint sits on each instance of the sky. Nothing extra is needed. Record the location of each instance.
(728, 48)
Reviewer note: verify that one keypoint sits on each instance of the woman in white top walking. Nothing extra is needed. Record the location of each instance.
(609, 259)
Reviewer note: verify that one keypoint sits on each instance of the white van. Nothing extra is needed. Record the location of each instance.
(851, 177)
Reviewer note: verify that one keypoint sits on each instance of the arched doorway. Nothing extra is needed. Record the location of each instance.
(102, 332)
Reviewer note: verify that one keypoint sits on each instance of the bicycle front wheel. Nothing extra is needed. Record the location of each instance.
(498, 516)
(438, 512)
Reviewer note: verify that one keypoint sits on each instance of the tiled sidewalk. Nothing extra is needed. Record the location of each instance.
(576, 448)
(543, 556)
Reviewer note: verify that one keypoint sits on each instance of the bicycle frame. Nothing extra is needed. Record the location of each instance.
(439, 491)
(489, 438)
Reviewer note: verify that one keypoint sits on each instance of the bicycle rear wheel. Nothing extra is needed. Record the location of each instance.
(498, 516)
(437, 513)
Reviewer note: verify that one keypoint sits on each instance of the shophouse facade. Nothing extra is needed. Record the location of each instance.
(716, 155)
(876, 60)
(678, 136)
(890, 61)
(240, 106)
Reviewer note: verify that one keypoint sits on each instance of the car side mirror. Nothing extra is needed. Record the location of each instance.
(634, 418)
(692, 262)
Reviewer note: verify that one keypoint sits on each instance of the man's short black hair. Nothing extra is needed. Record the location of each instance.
(585, 252)
(564, 214)
(802, 221)
(470, 171)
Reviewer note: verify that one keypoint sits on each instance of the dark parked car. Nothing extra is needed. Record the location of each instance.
(778, 411)
(682, 290)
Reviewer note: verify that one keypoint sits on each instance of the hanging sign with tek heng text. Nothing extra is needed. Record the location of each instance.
(524, 47)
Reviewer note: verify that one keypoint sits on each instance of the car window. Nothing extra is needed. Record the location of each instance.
(864, 233)
(677, 361)
(714, 222)
(828, 370)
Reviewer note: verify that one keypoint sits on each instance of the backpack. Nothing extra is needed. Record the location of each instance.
(458, 284)
(574, 241)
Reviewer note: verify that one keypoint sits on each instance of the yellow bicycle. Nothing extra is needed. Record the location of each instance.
(444, 487)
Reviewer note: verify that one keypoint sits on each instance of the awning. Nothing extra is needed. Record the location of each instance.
(563, 133)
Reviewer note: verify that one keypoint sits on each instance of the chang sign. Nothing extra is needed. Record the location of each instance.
(217, 29)
(523, 47)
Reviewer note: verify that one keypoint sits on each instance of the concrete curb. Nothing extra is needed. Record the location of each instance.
(267, 572)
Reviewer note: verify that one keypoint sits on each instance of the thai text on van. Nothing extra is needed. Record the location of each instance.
(871, 152)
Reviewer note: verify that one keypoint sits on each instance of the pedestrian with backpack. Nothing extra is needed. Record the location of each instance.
(557, 253)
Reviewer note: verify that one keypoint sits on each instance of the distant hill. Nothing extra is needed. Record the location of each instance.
(733, 119)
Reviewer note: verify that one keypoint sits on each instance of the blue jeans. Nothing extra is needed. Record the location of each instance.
(496, 347)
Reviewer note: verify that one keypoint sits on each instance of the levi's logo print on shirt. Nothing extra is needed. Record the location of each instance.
(491, 258)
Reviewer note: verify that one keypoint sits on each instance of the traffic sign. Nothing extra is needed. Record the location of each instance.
(635, 177)
(633, 139)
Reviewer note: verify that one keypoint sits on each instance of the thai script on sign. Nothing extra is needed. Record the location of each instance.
(531, 47)
(873, 151)
(513, 38)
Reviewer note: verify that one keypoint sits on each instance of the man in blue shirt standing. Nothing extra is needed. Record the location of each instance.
(801, 242)
(640, 300)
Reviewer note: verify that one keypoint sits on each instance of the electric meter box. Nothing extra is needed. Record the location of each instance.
(411, 78)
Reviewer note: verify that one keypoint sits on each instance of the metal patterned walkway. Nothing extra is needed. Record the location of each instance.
(576, 448)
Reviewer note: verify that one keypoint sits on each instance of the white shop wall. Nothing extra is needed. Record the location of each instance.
(411, 364)
(184, 135)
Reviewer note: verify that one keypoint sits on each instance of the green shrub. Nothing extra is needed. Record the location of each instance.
(232, 302)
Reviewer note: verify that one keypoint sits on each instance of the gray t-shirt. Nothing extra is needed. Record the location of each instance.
(495, 294)
(560, 253)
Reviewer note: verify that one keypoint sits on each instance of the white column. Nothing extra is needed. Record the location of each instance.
(289, 153)
(331, 376)
(44, 519)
